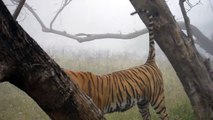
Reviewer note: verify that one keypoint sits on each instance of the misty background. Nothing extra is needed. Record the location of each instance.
(98, 17)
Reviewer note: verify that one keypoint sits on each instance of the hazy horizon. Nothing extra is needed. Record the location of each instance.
(100, 16)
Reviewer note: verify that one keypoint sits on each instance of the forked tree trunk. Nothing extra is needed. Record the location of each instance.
(26, 65)
(183, 56)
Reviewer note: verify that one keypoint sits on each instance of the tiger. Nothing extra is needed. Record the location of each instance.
(121, 90)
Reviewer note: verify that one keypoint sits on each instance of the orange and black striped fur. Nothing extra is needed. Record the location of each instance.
(121, 90)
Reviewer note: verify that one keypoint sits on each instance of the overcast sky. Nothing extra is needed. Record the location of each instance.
(101, 16)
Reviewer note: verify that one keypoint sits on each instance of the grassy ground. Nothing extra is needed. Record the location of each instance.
(16, 105)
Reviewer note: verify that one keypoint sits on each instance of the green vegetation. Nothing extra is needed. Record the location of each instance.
(16, 105)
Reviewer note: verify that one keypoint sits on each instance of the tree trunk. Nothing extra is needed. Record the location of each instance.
(26, 65)
(183, 56)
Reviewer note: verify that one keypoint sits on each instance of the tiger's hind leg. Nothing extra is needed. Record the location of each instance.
(143, 107)
(159, 106)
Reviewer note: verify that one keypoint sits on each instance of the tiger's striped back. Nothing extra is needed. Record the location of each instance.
(119, 91)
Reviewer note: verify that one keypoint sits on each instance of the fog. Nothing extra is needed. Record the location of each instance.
(100, 16)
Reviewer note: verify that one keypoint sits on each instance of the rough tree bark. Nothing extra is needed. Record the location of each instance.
(26, 65)
(183, 56)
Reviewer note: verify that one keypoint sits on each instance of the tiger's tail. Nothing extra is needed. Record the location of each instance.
(151, 55)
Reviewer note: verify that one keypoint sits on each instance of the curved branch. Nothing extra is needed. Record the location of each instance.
(90, 37)
(59, 11)
(36, 16)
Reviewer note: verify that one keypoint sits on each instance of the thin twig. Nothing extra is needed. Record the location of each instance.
(186, 19)
(59, 11)
(35, 15)
(191, 5)
(18, 9)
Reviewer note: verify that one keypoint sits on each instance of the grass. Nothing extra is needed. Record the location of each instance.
(16, 105)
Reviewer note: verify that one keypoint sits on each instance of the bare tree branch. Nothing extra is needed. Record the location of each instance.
(186, 19)
(203, 41)
(18, 9)
(36, 16)
(192, 5)
(66, 2)
(82, 37)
